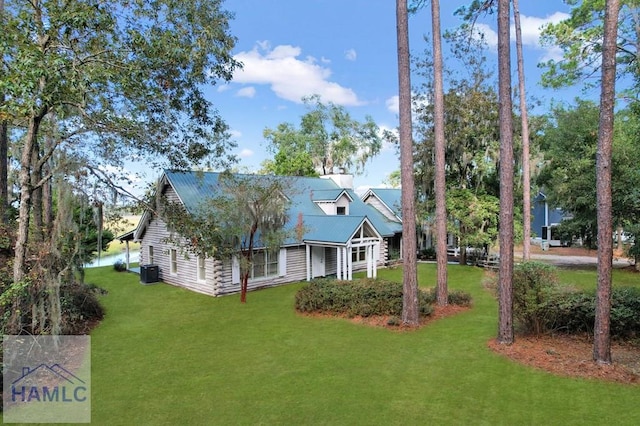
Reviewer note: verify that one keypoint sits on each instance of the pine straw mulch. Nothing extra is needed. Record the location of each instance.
(572, 356)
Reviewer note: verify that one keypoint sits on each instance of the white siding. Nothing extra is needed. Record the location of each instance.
(187, 264)
(378, 205)
(295, 272)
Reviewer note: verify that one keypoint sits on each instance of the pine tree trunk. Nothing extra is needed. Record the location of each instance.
(602, 332)
(505, 271)
(526, 173)
(410, 313)
(442, 294)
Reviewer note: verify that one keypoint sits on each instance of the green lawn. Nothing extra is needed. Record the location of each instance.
(164, 355)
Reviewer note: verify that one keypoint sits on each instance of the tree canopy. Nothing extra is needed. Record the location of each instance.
(569, 176)
(106, 82)
(328, 136)
(580, 38)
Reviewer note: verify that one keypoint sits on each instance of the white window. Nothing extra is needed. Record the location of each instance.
(265, 264)
(358, 254)
(150, 253)
(173, 255)
(202, 268)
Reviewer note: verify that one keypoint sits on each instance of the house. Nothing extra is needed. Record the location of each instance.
(388, 202)
(342, 234)
(543, 221)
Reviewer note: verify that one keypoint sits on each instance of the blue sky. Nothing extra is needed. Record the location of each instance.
(344, 51)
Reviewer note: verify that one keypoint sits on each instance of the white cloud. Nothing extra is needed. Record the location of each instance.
(531, 30)
(246, 153)
(351, 55)
(393, 104)
(490, 36)
(532, 27)
(290, 77)
(236, 134)
(246, 92)
(386, 145)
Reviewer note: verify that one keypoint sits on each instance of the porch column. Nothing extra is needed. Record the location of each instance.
(126, 255)
(369, 257)
(345, 263)
(350, 263)
(376, 253)
(308, 261)
(339, 262)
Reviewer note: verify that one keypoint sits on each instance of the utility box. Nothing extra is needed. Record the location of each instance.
(149, 274)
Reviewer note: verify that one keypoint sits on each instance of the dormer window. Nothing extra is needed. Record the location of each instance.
(341, 210)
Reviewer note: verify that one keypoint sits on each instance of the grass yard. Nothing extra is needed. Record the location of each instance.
(164, 355)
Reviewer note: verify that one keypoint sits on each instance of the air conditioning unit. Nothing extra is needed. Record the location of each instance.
(149, 274)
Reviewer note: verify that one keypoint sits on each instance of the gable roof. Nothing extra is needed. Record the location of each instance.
(193, 187)
(391, 198)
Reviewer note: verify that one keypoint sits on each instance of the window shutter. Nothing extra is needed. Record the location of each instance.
(282, 262)
(235, 270)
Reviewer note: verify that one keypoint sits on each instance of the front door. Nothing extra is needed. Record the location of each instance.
(317, 262)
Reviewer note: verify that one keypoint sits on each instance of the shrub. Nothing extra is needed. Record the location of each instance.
(365, 298)
(120, 266)
(80, 307)
(533, 283)
(428, 253)
(455, 297)
(574, 312)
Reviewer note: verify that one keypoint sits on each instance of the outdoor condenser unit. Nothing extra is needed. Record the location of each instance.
(149, 274)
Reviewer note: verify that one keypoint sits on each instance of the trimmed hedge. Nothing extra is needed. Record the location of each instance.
(366, 297)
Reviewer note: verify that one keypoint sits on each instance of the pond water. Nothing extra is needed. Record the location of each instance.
(134, 256)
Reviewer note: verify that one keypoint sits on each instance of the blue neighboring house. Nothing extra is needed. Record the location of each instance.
(342, 234)
(544, 219)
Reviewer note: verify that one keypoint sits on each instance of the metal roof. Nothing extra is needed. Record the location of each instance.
(390, 197)
(304, 192)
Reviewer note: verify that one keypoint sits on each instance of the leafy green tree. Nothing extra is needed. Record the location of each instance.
(327, 134)
(473, 219)
(120, 79)
(569, 176)
(291, 155)
(581, 39)
(245, 212)
(471, 121)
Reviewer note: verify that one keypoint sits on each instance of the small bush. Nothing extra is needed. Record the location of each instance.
(455, 297)
(120, 266)
(428, 253)
(574, 312)
(533, 283)
(356, 298)
(80, 307)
